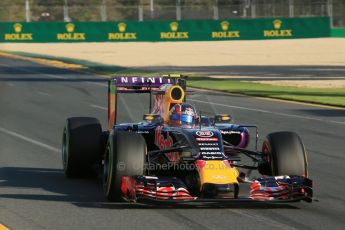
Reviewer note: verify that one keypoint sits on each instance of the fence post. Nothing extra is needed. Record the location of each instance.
(66, 17)
(141, 13)
(245, 6)
(215, 10)
(253, 9)
(27, 11)
(330, 11)
(152, 9)
(291, 8)
(104, 11)
(178, 10)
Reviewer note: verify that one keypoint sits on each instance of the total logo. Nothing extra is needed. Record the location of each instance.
(71, 35)
(204, 133)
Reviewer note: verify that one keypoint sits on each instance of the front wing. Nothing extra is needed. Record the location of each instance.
(272, 189)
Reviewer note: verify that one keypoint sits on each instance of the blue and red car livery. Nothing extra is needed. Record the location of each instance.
(162, 158)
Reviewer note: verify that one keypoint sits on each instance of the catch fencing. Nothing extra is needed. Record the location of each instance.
(144, 10)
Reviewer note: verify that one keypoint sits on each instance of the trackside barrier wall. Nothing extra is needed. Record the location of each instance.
(156, 31)
(338, 32)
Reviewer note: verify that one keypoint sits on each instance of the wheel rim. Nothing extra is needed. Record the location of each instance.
(107, 168)
(266, 152)
(64, 150)
(267, 156)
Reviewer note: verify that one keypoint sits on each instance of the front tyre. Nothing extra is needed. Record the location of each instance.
(125, 155)
(284, 154)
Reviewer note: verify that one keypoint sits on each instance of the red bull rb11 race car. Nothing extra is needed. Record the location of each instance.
(176, 154)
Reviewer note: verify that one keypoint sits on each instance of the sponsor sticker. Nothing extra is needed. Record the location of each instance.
(151, 177)
(203, 139)
(143, 131)
(277, 30)
(204, 133)
(219, 177)
(165, 142)
(122, 34)
(211, 153)
(225, 31)
(210, 148)
(17, 34)
(212, 157)
(141, 81)
(70, 34)
(230, 132)
(174, 33)
(190, 112)
(208, 144)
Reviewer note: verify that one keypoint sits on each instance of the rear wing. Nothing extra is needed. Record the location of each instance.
(137, 84)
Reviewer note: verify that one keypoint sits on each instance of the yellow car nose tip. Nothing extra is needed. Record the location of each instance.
(217, 172)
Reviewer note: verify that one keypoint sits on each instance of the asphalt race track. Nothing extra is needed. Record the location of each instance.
(35, 100)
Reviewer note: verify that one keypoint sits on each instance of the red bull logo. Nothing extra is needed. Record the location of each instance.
(160, 140)
(165, 142)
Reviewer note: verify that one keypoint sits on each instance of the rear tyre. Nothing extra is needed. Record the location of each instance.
(81, 146)
(125, 155)
(284, 154)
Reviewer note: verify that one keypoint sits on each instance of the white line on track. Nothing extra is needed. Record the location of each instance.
(268, 221)
(32, 141)
(58, 76)
(43, 93)
(10, 84)
(99, 107)
(36, 72)
(270, 112)
(98, 84)
(54, 75)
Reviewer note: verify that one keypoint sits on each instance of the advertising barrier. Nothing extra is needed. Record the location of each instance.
(338, 32)
(157, 31)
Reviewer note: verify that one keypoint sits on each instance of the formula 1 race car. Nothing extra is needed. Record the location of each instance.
(175, 154)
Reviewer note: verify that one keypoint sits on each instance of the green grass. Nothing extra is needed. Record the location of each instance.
(333, 96)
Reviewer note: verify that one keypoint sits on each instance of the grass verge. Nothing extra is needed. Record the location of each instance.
(333, 97)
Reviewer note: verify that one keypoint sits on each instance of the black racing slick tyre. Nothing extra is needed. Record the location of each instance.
(284, 154)
(81, 146)
(125, 155)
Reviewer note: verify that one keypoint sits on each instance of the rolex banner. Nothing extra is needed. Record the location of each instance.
(155, 31)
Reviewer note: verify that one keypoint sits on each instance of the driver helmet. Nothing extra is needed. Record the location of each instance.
(183, 115)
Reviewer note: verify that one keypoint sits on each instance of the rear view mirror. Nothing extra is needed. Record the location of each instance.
(153, 118)
(222, 118)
